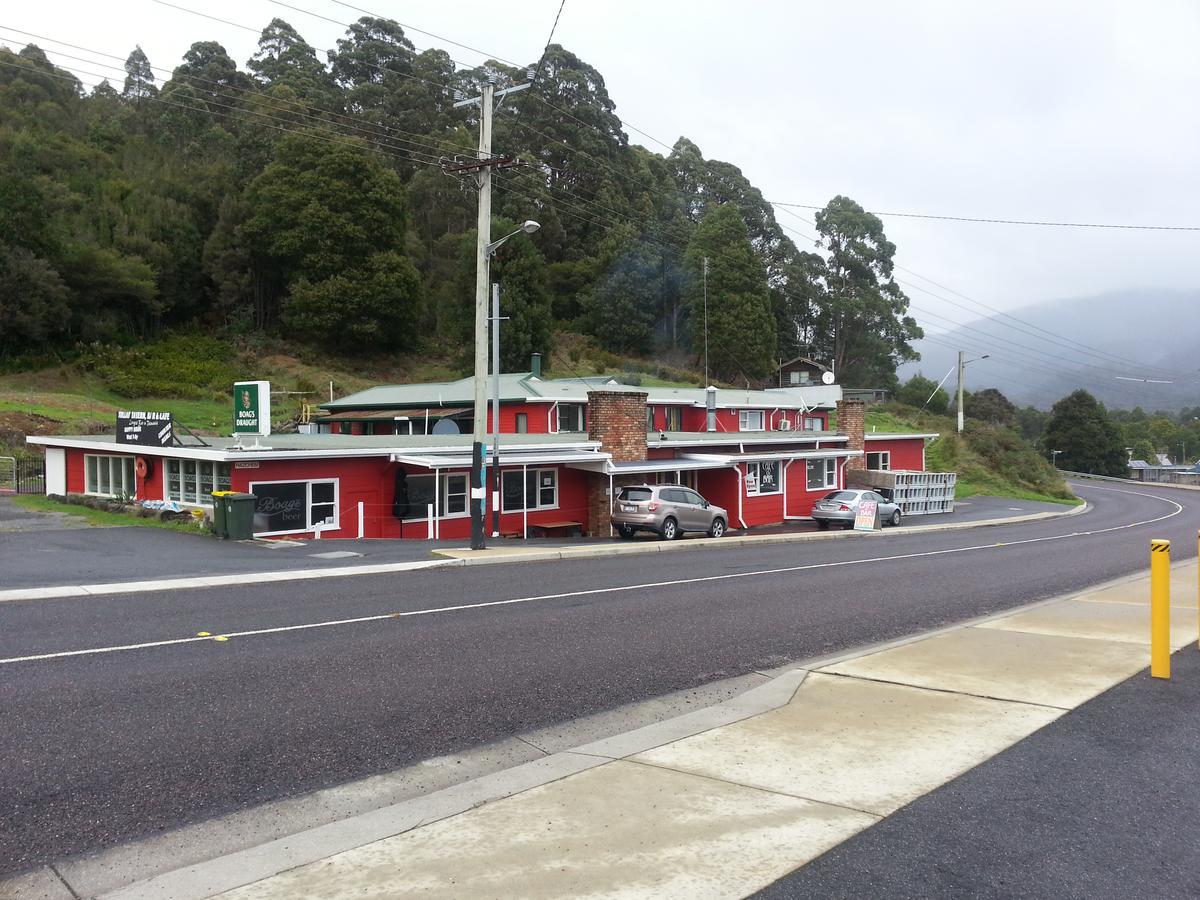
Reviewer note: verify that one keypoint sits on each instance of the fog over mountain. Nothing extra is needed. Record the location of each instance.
(1039, 353)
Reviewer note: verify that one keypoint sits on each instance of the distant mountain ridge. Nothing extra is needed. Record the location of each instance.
(1095, 343)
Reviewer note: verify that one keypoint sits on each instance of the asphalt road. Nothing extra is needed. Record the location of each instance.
(103, 748)
(1102, 803)
(40, 550)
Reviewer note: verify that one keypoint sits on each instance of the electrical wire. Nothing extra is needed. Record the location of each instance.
(992, 221)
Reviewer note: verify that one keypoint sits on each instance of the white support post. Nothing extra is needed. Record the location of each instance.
(524, 501)
(361, 519)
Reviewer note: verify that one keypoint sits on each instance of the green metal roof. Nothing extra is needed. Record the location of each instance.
(524, 386)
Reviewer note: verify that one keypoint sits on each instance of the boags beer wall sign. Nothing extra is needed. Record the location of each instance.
(147, 429)
(252, 407)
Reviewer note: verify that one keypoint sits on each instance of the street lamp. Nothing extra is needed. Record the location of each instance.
(527, 227)
(478, 491)
(962, 364)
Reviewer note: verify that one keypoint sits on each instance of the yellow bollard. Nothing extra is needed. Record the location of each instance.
(1160, 609)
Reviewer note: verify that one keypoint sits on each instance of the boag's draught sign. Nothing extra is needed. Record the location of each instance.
(252, 407)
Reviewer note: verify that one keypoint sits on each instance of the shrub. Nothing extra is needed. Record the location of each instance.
(186, 367)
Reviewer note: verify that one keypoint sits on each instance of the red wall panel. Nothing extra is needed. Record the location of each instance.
(907, 453)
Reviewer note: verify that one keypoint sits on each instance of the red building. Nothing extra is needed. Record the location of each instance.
(394, 461)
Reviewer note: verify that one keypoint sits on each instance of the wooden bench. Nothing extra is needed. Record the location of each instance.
(559, 529)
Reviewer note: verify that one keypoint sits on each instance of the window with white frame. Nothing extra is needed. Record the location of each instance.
(522, 423)
(536, 489)
(109, 476)
(750, 420)
(451, 504)
(813, 423)
(288, 507)
(762, 477)
(822, 474)
(194, 480)
(674, 418)
(880, 461)
(570, 417)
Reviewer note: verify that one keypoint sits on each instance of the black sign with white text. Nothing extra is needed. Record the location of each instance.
(149, 429)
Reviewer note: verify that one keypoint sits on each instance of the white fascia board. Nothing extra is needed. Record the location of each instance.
(881, 436)
(731, 458)
(228, 454)
(215, 454)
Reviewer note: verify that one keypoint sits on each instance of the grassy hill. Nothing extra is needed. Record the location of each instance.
(191, 375)
(989, 459)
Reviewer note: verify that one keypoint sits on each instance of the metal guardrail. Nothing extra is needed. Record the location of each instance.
(1167, 484)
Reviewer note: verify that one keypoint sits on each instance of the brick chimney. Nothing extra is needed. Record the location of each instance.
(617, 419)
(852, 415)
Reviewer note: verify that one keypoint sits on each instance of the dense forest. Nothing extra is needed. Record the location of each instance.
(308, 199)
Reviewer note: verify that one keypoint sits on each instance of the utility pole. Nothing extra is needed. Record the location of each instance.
(482, 169)
(961, 364)
(706, 321)
(496, 319)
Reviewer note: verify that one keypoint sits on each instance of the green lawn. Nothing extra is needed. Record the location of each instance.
(100, 517)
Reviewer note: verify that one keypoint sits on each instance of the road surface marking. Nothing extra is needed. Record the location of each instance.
(93, 651)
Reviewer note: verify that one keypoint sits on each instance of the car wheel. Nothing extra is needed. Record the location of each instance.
(717, 529)
(669, 530)
(895, 519)
(823, 524)
(625, 531)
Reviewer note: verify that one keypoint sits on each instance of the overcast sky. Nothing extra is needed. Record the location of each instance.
(1077, 111)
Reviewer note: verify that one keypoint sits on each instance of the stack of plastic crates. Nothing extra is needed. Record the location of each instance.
(918, 493)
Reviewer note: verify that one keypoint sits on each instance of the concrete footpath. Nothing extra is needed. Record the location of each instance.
(725, 800)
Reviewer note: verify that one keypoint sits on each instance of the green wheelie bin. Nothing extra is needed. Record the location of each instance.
(239, 516)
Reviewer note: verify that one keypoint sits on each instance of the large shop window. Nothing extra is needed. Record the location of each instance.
(762, 477)
(109, 476)
(453, 502)
(879, 462)
(822, 474)
(538, 489)
(194, 480)
(570, 417)
(286, 507)
(750, 420)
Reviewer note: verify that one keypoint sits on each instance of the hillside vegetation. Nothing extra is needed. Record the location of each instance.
(305, 198)
(989, 459)
(191, 375)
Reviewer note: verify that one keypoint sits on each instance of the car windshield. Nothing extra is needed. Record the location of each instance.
(636, 495)
(841, 495)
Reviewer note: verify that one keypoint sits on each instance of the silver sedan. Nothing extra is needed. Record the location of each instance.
(840, 507)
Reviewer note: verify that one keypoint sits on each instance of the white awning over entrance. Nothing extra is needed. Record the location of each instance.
(507, 458)
(648, 466)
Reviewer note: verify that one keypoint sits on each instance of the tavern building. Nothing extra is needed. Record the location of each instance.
(394, 461)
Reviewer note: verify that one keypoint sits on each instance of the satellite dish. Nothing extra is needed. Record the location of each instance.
(446, 426)
(827, 378)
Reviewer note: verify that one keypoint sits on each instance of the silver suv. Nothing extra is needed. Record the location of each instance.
(667, 509)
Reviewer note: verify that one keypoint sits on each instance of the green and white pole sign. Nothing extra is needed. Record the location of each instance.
(252, 407)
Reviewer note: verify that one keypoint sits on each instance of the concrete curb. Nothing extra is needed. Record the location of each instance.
(594, 550)
(252, 864)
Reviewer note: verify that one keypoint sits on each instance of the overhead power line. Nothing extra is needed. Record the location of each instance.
(989, 221)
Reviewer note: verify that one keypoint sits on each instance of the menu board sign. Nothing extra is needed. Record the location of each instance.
(147, 429)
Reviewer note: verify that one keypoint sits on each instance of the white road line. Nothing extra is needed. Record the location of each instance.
(92, 651)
